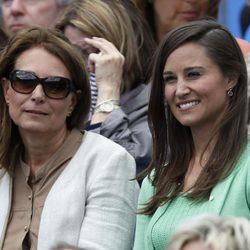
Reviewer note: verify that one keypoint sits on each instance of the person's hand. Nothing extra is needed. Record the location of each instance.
(107, 65)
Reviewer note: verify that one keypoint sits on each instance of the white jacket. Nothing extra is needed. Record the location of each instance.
(91, 205)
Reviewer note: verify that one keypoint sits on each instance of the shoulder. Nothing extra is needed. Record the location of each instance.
(243, 164)
(3, 174)
(94, 142)
(99, 153)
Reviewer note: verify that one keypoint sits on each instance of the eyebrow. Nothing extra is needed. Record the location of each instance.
(185, 70)
(192, 68)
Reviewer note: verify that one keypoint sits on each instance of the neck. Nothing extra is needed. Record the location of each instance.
(203, 144)
(38, 149)
(203, 147)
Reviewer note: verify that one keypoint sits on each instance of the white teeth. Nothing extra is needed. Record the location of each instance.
(188, 105)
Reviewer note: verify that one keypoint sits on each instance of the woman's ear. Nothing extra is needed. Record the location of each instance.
(6, 86)
(232, 81)
(74, 100)
(78, 94)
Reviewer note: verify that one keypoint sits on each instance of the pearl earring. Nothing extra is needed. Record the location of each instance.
(69, 113)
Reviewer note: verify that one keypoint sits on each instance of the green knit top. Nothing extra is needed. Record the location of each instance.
(229, 197)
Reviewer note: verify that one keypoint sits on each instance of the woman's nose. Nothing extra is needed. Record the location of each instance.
(182, 88)
(38, 94)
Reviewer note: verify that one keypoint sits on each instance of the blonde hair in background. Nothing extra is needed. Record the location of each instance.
(217, 233)
(107, 19)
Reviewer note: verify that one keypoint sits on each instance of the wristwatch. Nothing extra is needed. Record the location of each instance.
(107, 106)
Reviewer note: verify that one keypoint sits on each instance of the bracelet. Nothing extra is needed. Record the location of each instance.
(116, 102)
(107, 106)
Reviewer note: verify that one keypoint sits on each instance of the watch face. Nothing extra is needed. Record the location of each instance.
(107, 107)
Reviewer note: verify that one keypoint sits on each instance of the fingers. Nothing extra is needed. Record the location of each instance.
(108, 54)
(101, 44)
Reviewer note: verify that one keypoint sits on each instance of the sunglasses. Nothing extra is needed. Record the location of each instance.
(54, 87)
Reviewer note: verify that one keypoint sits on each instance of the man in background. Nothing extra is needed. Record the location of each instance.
(20, 14)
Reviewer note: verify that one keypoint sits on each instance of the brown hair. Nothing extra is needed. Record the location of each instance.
(55, 43)
(172, 142)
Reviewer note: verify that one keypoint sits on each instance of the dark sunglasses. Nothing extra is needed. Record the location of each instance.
(54, 87)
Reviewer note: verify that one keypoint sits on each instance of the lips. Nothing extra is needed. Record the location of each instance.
(189, 15)
(36, 112)
(16, 27)
(187, 105)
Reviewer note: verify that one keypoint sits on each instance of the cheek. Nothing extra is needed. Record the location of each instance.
(61, 109)
(15, 99)
(164, 10)
(43, 13)
(203, 11)
(168, 94)
(15, 108)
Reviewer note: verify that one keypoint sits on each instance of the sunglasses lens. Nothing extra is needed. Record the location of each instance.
(57, 87)
(23, 82)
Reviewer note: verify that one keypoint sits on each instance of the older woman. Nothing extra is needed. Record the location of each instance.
(57, 183)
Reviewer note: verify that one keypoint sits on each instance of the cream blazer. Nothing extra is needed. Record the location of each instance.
(93, 202)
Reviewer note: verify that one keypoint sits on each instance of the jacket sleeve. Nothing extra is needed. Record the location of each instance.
(5, 198)
(106, 226)
(142, 221)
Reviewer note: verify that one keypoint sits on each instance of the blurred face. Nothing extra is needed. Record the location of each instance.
(20, 14)
(195, 89)
(35, 112)
(170, 14)
(195, 245)
(76, 37)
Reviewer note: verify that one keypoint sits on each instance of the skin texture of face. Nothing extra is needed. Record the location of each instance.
(77, 37)
(195, 88)
(170, 14)
(35, 113)
(20, 14)
(195, 245)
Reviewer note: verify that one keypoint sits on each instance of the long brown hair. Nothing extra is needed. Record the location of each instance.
(172, 142)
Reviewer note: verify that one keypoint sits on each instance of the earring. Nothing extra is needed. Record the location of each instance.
(230, 92)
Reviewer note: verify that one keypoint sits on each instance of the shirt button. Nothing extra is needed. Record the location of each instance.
(25, 228)
(29, 197)
(211, 197)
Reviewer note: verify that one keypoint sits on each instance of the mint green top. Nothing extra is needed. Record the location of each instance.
(229, 197)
